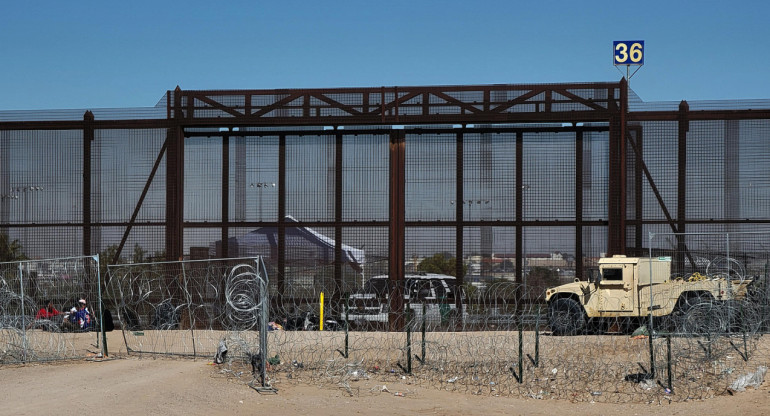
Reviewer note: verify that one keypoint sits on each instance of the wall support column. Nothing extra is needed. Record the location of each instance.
(88, 138)
(396, 238)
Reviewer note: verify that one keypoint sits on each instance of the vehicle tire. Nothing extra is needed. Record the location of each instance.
(566, 317)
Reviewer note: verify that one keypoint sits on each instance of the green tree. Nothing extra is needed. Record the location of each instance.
(10, 250)
(442, 263)
(106, 257)
(539, 279)
(139, 253)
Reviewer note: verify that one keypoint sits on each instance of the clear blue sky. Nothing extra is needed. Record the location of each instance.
(102, 54)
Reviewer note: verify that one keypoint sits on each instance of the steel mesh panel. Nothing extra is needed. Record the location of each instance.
(122, 163)
(365, 174)
(430, 177)
(489, 176)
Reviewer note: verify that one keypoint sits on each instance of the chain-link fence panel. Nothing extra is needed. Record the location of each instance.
(51, 310)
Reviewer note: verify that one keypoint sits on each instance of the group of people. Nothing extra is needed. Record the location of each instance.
(77, 318)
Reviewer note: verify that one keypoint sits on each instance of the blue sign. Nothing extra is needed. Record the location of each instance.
(628, 52)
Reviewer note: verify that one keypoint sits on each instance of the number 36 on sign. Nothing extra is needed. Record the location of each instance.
(628, 52)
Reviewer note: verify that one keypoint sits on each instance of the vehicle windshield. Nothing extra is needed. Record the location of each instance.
(378, 287)
(612, 274)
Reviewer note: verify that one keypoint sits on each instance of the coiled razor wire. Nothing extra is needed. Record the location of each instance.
(242, 298)
(499, 345)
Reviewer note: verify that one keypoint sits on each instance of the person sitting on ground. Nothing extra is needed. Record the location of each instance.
(48, 312)
(82, 317)
(47, 318)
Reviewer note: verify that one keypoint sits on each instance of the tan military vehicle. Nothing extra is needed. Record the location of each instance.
(627, 289)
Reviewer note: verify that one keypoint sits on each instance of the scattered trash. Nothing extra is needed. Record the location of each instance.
(384, 388)
(399, 394)
(221, 354)
(453, 379)
(640, 333)
(667, 390)
(297, 364)
(596, 393)
(138, 333)
(638, 377)
(403, 377)
(749, 380)
(647, 384)
(554, 371)
(240, 401)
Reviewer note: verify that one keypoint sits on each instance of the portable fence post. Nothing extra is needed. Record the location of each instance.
(261, 277)
(408, 319)
(421, 359)
(537, 340)
(409, 349)
(347, 319)
(347, 316)
(23, 318)
(189, 304)
(668, 359)
(520, 375)
(521, 351)
(101, 307)
(745, 348)
(652, 356)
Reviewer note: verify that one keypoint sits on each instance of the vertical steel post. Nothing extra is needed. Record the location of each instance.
(396, 240)
(225, 185)
(459, 196)
(88, 138)
(616, 195)
(336, 298)
(519, 212)
(638, 188)
(579, 204)
(681, 201)
(175, 182)
(281, 214)
(460, 221)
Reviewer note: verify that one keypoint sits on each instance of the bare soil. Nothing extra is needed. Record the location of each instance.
(124, 384)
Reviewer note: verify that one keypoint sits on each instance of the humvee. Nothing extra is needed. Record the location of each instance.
(627, 290)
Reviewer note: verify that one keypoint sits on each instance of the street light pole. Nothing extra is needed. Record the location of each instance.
(260, 186)
(23, 192)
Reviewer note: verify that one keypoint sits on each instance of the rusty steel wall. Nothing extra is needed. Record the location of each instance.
(498, 182)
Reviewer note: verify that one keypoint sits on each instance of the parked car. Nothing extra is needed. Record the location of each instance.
(436, 293)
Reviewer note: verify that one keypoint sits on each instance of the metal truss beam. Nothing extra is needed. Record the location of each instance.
(397, 105)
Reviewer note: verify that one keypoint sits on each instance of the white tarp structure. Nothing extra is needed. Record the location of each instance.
(304, 246)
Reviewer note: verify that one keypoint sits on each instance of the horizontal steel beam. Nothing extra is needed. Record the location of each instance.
(700, 115)
(411, 130)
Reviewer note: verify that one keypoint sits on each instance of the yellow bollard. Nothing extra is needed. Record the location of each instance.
(321, 319)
